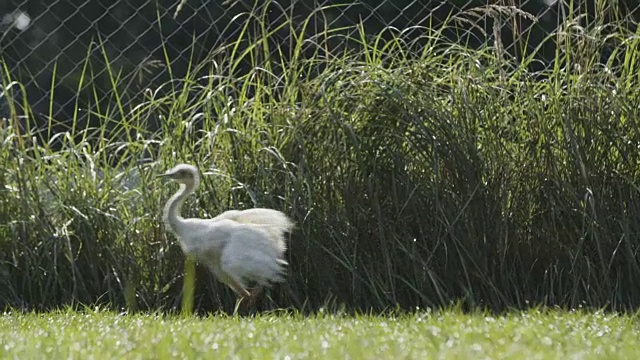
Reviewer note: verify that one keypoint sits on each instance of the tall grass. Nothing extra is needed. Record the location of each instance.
(419, 172)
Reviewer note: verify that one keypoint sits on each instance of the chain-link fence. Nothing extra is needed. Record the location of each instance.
(45, 44)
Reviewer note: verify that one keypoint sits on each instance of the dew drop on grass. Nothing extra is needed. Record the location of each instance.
(435, 331)
(449, 343)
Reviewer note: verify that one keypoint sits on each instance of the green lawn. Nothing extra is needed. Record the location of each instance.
(447, 335)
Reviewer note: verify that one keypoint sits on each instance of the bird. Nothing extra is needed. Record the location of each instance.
(239, 247)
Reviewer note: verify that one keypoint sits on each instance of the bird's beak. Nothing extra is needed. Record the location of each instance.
(165, 175)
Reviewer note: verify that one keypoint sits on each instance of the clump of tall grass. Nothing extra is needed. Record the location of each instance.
(419, 173)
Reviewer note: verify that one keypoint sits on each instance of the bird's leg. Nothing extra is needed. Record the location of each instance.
(256, 291)
(242, 294)
(239, 289)
(253, 295)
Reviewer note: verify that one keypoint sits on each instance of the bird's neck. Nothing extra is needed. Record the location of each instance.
(171, 215)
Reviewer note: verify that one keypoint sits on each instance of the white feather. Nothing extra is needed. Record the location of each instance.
(274, 222)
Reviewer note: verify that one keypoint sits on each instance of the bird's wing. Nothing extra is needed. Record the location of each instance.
(274, 222)
(262, 216)
(250, 255)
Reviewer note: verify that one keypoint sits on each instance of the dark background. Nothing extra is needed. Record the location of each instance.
(135, 38)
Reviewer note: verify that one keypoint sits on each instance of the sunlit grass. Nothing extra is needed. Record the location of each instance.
(438, 335)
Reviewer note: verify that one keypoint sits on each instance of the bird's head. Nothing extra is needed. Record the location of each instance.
(183, 173)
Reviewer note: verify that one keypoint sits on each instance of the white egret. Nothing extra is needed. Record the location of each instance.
(238, 246)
